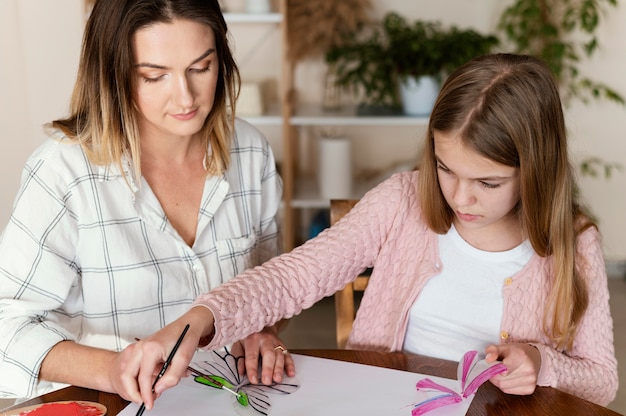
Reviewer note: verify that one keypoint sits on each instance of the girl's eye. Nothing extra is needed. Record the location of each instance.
(442, 168)
(490, 185)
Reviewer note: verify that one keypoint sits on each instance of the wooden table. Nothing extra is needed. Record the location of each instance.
(489, 400)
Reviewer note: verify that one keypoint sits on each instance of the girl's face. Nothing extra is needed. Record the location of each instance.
(481, 192)
(176, 72)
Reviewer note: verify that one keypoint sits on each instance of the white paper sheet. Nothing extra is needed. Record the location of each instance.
(328, 387)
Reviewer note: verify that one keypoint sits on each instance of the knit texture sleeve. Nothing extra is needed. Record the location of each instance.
(590, 369)
(285, 285)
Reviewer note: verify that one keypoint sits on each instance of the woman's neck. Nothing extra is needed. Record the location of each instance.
(173, 151)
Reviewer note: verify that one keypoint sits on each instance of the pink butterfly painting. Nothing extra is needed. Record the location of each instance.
(471, 373)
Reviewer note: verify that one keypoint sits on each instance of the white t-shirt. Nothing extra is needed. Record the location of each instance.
(461, 308)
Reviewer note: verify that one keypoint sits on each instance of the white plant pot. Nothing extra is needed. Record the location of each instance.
(335, 168)
(418, 94)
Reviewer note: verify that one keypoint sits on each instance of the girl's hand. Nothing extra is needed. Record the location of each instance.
(523, 363)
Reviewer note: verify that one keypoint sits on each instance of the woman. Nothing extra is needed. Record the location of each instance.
(485, 248)
(147, 195)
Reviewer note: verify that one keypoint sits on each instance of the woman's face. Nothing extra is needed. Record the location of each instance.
(481, 192)
(176, 70)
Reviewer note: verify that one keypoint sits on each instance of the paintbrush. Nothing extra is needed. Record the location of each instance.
(165, 366)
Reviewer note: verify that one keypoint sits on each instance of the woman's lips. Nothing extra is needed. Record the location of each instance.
(185, 116)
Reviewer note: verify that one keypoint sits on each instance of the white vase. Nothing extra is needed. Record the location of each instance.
(418, 94)
(335, 168)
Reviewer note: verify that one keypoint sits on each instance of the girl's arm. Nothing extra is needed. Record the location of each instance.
(287, 284)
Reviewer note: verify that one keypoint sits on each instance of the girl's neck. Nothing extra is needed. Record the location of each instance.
(502, 236)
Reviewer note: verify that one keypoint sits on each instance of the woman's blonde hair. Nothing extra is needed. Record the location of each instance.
(507, 108)
(103, 118)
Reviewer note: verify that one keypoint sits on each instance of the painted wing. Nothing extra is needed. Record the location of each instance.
(224, 364)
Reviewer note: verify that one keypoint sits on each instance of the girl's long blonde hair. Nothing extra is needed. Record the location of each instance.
(507, 108)
(103, 118)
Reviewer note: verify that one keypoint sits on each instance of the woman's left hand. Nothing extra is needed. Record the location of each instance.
(523, 362)
(275, 358)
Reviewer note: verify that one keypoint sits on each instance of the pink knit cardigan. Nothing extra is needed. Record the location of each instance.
(386, 231)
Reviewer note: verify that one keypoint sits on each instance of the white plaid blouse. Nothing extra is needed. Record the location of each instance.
(86, 257)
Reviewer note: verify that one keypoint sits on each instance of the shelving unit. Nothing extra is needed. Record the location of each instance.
(310, 114)
(306, 193)
(301, 193)
(279, 113)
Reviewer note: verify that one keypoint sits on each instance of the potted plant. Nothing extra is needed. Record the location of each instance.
(419, 58)
(395, 52)
(362, 66)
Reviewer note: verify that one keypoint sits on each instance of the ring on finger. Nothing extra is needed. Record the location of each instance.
(281, 348)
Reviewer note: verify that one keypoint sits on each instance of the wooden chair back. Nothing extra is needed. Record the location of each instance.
(344, 299)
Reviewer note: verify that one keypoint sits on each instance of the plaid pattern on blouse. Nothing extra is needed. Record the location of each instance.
(88, 257)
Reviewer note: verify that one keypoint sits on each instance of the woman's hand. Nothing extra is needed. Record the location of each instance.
(523, 363)
(136, 368)
(275, 359)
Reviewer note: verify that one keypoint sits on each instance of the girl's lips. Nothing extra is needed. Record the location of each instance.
(185, 116)
(466, 217)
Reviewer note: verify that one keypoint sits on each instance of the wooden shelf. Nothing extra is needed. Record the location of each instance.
(272, 116)
(307, 194)
(311, 114)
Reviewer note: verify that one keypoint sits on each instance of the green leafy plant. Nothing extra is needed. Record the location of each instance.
(427, 48)
(371, 61)
(595, 167)
(562, 33)
(361, 64)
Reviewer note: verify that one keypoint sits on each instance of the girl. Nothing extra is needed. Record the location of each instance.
(484, 247)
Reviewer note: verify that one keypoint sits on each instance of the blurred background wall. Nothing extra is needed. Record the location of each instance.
(40, 45)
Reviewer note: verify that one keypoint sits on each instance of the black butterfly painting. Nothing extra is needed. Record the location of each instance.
(248, 399)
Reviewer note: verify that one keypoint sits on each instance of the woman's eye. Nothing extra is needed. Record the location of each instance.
(151, 79)
(201, 70)
(442, 168)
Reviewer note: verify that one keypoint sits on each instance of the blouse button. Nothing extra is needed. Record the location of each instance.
(508, 281)
(504, 335)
